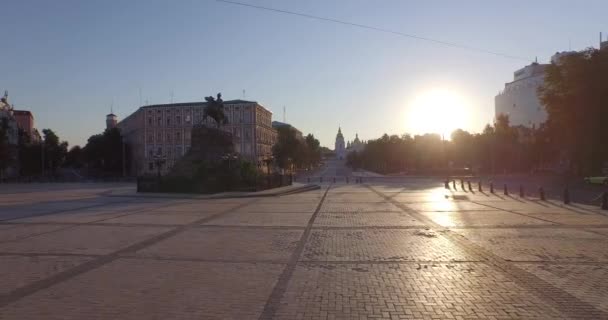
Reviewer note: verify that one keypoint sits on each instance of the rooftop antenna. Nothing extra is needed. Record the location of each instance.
(600, 39)
(569, 45)
(536, 59)
(284, 115)
(244, 94)
(112, 107)
(171, 96)
(140, 96)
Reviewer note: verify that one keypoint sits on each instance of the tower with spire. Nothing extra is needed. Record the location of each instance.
(340, 147)
(111, 119)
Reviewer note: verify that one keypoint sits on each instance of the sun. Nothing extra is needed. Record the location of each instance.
(437, 111)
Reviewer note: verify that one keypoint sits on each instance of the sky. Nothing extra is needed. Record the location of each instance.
(69, 62)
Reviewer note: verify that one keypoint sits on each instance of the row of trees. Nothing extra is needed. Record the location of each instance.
(575, 96)
(290, 152)
(101, 155)
(499, 148)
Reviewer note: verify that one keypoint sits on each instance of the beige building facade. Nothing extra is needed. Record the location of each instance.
(161, 134)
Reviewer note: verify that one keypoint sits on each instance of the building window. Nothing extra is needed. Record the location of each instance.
(159, 151)
(150, 166)
(150, 120)
(168, 137)
(168, 121)
(178, 120)
(160, 120)
(159, 138)
(177, 136)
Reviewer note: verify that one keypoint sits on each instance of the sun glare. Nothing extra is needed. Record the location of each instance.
(437, 111)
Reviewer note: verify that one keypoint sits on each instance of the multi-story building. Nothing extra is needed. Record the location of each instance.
(278, 124)
(161, 134)
(25, 122)
(519, 99)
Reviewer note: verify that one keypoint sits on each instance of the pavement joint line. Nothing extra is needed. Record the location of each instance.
(70, 273)
(561, 300)
(67, 210)
(248, 227)
(159, 258)
(531, 226)
(73, 225)
(519, 213)
(341, 262)
(274, 299)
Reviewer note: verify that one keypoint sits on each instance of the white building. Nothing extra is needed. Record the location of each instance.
(519, 99)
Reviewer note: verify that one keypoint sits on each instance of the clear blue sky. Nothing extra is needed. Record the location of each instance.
(68, 60)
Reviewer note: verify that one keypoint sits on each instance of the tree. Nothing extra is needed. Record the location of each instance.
(75, 157)
(54, 151)
(215, 110)
(575, 95)
(287, 148)
(5, 155)
(103, 153)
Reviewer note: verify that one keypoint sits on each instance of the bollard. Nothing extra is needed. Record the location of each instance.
(462, 185)
(454, 184)
(521, 191)
(308, 180)
(605, 200)
(446, 184)
(469, 184)
(566, 196)
(334, 179)
(479, 186)
(541, 193)
(505, 190)
(346, 179)
(491, 187)
(321, 179)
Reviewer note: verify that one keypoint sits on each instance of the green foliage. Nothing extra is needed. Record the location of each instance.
(4, 145)
(104, 153)
(54, 151)
(500, 148)
(289, 151)
(575, 95)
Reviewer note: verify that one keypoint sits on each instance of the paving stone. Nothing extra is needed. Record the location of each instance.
(227, 244)
(407, 291)
(21, 231)
(94, 240)
(19, 271)
(447, 205)
(381, 245)
(570, 218)
(154, 290)
(562, 245)
(481, 218)
(280, 207)
(196, 206)
(366, 219)
(276, 219)
(160, 218)
(588, 283)
(360, 207)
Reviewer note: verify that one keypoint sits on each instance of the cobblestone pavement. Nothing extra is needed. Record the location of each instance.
(411, 250)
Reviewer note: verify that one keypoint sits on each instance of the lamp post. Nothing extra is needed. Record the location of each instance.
(159, 160)
(229, 157)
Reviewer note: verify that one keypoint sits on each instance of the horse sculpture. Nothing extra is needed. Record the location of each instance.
(215, 110)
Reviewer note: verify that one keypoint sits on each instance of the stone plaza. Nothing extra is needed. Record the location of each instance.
(378, 250)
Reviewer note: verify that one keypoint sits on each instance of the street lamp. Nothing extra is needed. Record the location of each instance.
(159, 160)
(230, 157)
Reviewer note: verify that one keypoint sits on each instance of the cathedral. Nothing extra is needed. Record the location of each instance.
(342, 149)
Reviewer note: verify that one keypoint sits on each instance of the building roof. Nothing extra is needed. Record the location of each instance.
(22, 112)
(195, 103)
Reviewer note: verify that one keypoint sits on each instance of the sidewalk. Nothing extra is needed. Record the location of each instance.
(294, 188)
